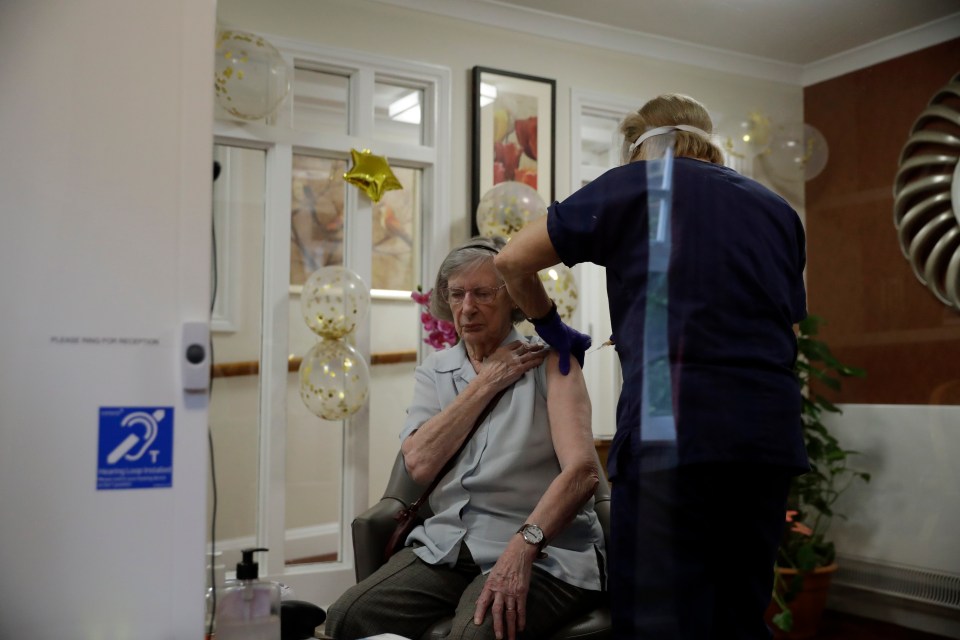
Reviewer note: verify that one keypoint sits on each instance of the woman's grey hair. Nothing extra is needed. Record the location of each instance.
(469, 255)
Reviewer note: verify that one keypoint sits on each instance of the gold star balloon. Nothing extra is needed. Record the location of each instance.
(372, 174)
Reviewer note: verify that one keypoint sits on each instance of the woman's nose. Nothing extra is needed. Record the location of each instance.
(468, 301)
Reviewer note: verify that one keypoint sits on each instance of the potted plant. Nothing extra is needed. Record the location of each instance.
(807, 559)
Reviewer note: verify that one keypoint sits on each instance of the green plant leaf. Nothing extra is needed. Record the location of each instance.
(806, 557)
(813, 494)
(855, 372)
(810, 325)
(784, 620)
(826, 380)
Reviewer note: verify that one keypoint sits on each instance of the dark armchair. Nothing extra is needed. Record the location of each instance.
(372, 529)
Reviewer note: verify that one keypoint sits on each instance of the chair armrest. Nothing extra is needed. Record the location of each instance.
(602, 508)
(371, 531)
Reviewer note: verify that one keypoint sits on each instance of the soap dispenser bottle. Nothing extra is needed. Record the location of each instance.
(248, 608)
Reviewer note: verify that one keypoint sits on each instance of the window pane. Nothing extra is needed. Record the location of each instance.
(238, 212)
(320, 101)
(316, 224)
(396, 234)
(599, 141)
(314, 466)
(398, 113)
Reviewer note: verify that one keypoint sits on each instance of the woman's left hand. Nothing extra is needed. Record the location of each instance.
(505, 591)
(509, 362)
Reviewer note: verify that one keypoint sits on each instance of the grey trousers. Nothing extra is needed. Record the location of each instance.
(406, 596)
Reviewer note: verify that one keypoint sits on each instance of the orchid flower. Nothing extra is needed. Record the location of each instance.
(440, 333)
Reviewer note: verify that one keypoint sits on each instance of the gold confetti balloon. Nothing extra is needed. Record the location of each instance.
(798, 151)
(334, 380)
(251, 78)
(334, 300)
(561, 286)
(507, 208)
(744, 137)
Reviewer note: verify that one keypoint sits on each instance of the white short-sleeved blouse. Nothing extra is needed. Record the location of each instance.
(501, 475)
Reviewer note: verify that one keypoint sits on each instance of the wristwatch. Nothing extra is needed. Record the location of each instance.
(533, 534)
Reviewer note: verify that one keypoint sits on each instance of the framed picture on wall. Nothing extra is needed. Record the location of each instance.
(514, 133)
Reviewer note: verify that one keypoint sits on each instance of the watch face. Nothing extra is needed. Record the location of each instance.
(532, 534)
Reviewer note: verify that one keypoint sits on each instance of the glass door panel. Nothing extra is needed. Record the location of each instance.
(238, 215)
(314, 460)
(396, 237)
(314, 473)
(316, 226)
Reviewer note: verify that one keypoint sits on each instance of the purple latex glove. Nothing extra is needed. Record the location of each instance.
(564, 339)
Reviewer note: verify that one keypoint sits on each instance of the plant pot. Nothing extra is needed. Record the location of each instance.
(807, 607)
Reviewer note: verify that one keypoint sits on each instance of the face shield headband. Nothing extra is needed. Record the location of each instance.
(627, 150)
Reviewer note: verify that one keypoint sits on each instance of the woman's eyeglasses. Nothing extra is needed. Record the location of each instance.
(481, 295)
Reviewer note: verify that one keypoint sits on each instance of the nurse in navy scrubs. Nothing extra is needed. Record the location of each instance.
(700, 483)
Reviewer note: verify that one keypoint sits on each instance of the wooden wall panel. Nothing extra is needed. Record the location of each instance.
(878, 315)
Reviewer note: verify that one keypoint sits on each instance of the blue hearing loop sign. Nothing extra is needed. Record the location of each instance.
(135, 448)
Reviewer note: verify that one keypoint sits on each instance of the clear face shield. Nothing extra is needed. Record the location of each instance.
(657, 414)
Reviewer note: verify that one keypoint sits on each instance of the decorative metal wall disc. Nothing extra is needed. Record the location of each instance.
(926, 192)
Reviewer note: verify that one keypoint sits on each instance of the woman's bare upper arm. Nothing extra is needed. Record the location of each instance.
(568, 407)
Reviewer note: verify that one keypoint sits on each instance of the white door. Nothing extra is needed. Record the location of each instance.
(288, 480)
(104, 254)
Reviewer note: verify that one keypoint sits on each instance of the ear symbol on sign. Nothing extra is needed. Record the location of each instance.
(149, 422)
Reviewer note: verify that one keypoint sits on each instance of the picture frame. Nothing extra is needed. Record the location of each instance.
(502, 150)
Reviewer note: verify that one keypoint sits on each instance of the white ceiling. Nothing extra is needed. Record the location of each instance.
(790, 41)
(791, 31)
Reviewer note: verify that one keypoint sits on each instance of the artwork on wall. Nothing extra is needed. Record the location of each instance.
(317, 226)
(513, 133)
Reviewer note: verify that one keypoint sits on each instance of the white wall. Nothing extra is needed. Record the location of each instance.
(105, 199)
(898, 548)
(909, 512)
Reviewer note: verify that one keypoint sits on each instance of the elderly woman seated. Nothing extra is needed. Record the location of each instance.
(514, 548)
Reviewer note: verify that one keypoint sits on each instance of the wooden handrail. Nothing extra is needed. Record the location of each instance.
(252, 367)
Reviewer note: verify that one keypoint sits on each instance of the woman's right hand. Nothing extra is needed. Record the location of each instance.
(509, 362)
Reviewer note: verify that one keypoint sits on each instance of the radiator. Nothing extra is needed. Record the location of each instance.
(911, 583)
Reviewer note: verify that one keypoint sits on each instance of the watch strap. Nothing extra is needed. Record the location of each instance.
(540, 545)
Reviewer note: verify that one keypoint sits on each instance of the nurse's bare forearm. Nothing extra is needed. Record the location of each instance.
(529, 251)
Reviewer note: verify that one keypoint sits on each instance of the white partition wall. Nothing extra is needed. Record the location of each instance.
(105, 126)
